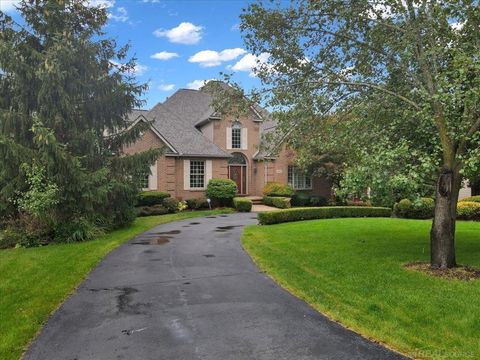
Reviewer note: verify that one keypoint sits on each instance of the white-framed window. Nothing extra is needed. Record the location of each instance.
(144, 182)
(197, 174)
(236, 136)
(298, 180)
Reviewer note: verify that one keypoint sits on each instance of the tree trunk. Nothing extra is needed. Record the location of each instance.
(442, 235)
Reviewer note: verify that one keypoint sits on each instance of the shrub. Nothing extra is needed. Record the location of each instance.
(421, 208)
(242, 204)
(300, 199)
(278, 202)
(471, 199)
(276, 189)
(199, 203)
(221, 191)
(79, 229)
(298, 214)
(468, 210)
(358, 203)
(182, 205)
(149, 198)
(171, 204)
(318, 201)
(152, 210)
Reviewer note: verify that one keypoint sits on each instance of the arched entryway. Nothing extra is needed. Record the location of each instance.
(237, 171)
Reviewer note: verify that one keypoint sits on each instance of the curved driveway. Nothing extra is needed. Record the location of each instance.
(187, 290)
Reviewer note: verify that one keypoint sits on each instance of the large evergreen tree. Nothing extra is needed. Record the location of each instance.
(417, 62)
(64, 101)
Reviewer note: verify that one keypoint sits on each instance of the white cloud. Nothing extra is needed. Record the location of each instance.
(166, 87)
(164, 55)
(8, 5)
(185, 33)
(138, 69)
(121, 15)
(457, 26)
(209, 58)
(151, 1)
(249, 63)
(197, 84)
(101, 3)
(235, 27)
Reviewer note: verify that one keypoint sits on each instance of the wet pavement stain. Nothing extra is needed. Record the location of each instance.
(223, 215)
(186, 283)
(158, 240)
(194, 223)
(209, 255)
(156, 259)
(171, 232)
(125, 303)
(226, 228)
(211, 217)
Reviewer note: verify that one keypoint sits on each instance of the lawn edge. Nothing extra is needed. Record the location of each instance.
(27, 346)
(324, 313)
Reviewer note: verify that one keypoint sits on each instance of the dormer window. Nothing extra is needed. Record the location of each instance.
(236, 136)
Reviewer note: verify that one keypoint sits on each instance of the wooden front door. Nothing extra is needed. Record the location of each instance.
(238, 173)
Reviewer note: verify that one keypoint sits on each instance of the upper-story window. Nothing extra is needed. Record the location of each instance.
(236, 136)
(298, 180)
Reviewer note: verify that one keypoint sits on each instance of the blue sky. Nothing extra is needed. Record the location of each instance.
(178, 44)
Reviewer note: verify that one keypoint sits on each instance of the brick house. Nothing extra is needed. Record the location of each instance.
(200, 145)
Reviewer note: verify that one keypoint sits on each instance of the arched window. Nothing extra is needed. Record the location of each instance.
(237, 159)
(236, 135)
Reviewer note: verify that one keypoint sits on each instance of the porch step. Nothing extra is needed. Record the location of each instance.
(256, 200)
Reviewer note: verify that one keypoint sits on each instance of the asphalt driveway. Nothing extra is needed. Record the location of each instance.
(187, 290)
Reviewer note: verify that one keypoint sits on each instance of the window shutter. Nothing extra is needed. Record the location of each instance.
(208, 171)
(244, 139)
(186, 174)
(152, 179)
(229, 138)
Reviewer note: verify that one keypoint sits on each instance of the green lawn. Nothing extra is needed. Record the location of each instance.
(351, 270)
(35, 281)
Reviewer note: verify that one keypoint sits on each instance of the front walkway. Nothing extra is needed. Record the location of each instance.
(187, 290)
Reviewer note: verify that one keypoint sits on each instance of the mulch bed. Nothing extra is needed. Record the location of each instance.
(464, 273)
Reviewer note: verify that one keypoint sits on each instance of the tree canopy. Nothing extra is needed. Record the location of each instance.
(391, 83)
(65, 93)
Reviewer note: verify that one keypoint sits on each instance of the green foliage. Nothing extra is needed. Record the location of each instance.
(471, 199)
(197, 203)
(221, 191)
(79, 229)
(158, 209)
(61, 91)
(182, 205)
(299, 214)
(468, 210)
(242, 204)
(272, 188)
(302, 199)
(148, 198)
(277, 201)
(421, 208)
(171, 204)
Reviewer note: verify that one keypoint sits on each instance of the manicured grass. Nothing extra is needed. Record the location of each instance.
(351, 270)
(35, 281)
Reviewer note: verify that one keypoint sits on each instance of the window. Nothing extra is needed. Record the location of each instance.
(144, 182)
(298, 180)
(236, 136)
(197, 174)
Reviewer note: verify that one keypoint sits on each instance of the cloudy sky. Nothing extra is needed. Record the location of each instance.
(178, 44)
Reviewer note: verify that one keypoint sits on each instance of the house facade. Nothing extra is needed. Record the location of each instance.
(199, 144)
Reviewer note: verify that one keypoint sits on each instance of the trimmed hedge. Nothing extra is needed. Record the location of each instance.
(422, 208)
(242, 204)
(198, 203)
(301, 199)
(272, 188)
(278, 202)
(471, 199)
(468, 210)
(150, 198)
(152, 210)
(221, 191)
(327, 212)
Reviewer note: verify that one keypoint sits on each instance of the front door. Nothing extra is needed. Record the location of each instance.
(238, 174)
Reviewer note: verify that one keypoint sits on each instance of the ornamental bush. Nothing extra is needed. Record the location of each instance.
(468, 210)
(300, 199)
(198, 203)
(171, 204)
(149, 198)
(421, 208)
(242, 204)
(276, 189)
(278, 202)
(221, 191)
(327, 212)
(471, 199)
(152, 210)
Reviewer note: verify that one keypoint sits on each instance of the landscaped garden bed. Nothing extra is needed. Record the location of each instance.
(354, 271)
